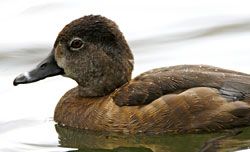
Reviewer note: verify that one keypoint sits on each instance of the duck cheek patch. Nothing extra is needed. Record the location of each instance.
(58, 51)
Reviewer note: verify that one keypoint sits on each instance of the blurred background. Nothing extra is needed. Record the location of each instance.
(160, 33)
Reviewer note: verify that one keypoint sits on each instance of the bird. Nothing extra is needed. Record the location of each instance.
(174, 99)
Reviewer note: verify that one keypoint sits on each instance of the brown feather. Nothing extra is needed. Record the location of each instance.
(185, 107)
(155, 83)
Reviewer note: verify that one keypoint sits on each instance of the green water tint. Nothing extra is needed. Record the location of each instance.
(87, 141)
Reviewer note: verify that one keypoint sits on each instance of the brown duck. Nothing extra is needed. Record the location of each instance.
(181, 99)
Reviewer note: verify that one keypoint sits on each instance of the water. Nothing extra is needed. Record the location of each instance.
(160, 33)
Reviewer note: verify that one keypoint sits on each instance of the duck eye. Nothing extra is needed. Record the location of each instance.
(76, 44)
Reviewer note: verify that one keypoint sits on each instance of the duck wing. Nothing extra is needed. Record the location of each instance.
(155, 83)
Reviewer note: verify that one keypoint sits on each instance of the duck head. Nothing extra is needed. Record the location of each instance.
(92, 51)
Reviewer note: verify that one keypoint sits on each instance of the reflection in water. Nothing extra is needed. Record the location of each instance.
(88, 141)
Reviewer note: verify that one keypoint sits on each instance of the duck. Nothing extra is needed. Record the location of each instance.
(176, 99)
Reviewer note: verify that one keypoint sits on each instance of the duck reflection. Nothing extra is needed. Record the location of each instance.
(89, 141)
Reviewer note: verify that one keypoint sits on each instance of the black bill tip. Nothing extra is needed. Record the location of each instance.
(21, 79)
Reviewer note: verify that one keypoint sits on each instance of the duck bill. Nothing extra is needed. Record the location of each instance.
(47, 68)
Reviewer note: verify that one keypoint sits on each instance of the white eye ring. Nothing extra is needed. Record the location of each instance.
(76, 43)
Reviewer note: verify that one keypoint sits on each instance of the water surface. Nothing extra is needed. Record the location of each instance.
(160, 33)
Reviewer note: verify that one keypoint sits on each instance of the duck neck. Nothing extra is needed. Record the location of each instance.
(102, 86)
(90, 92)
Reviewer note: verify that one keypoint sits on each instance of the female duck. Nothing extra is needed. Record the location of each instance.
(186, 98)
